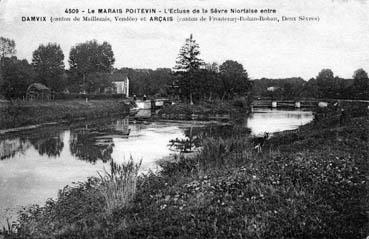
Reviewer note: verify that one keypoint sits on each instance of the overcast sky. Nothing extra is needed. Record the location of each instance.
(339, 41)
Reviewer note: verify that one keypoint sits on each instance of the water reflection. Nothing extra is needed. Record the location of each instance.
(191, 140)
(95, 142)
(86, 145)
(266, 120)
(9, 147)
(143, 114)
(50, 146)
(193, 136)
(122, 126)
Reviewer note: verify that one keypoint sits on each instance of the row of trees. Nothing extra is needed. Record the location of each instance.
(191, 79)
(324, 85)
(88, 62)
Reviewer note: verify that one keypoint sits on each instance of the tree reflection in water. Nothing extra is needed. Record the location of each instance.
(9, 147)
(50, 146)
(85, 145)
(46, 142)
(95, 141)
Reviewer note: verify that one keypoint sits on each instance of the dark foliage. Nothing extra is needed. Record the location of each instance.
(17, 76)
(149, 82)
(48, 63)
(87, 58)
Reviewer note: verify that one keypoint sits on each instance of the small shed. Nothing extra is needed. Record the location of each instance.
(38, 91)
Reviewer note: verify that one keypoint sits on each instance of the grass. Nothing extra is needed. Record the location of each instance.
(19, 113)
(118, 186)
(307, 183)
(84, 210)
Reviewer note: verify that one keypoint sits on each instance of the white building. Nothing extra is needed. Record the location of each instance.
(121, 83)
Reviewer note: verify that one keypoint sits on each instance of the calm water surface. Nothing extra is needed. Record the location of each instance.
(34, 165)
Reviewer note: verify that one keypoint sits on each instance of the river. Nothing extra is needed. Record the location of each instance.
(35, 164)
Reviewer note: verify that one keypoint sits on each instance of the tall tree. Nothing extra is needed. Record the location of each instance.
(18, 75)
(234, 78)
(187, 64)
(48, 63)
(188, 58)
(7, 48)
(90, 57)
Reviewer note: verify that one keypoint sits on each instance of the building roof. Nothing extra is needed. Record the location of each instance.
(38, 86)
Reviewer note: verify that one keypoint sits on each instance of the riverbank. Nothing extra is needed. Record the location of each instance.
(205, 110)
(307, 183)
(21, 114)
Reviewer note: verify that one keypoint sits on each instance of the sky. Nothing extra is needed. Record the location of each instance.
(338, 41)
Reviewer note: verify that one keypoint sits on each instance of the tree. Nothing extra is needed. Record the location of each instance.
(326, 83)
(90, 57)
(7, 48)
(234, 78)
(361, 79)
(188, 59)
(48, 64)
(18, 75)
(187, 64)
(147, 81)
(208, 85)
(361, 84)
(325, 74)
(97, 82)
(212, 67)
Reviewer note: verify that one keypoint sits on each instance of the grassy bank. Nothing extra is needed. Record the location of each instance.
(205, 110)
(19, 113)
(307, 183)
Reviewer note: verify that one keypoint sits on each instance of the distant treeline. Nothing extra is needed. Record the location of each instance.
(325, 85)
(91, 71)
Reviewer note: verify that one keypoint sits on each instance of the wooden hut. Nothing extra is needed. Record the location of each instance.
(38, 91)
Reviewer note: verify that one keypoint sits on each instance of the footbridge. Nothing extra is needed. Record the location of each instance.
(302, 103)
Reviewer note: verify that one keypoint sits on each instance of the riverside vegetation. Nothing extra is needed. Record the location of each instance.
(204, 110)
(18, 113)
(307, 183)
